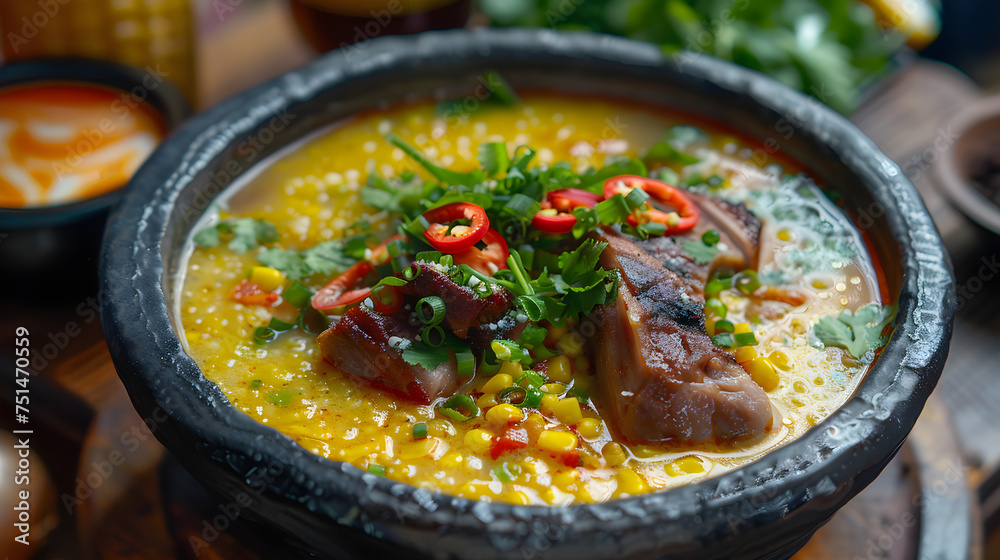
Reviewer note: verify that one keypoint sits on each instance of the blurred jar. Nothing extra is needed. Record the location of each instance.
(332, 24)
(140, 33)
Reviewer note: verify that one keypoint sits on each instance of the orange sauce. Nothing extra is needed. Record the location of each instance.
(61, 143)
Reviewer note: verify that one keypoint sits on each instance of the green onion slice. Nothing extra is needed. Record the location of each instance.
(419, 430)
(263, 335)
(430, 310)
(521, 397)
(432, 335)
(746, 282)
(745, 339)
(710, 238)
(297, 295)
(376, 469)
(534, 379)
(466, 361)
(724, 326)
(411, 272)
(717, 307)
(452, 408)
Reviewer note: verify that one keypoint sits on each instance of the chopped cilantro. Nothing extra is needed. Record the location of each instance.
(247, 234)
(855, 332)
(327, 258)
(700, 252)
(282, 398)
(426, 356)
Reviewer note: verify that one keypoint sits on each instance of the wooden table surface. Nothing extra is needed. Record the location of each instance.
(127, 517)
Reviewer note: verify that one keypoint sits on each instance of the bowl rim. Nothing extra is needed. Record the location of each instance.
(144, 346)
(165, 99)
(950, 173)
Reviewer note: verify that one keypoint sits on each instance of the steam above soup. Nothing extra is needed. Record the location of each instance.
(545, 301)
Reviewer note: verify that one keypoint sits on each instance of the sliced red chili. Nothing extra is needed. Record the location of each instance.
(249, 293)
(559, 223)
(380, 254)
(687, 211)
(339, 291)
(566, 200)
(488, 260)
(388, 300)
(511, 440)
(454, 239)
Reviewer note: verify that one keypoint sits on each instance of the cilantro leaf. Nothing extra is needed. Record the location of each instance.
(493, 157)
(247, 234)
(400, 194)
(325, 258)
(208, 237)
(580, 261)
(855, 332)
(425, 356)
(700, 252)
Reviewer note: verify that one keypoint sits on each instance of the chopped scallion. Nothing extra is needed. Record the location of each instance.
(716, 306)
(745, 339)
(724, 326)
(432, 335)
(297, 295)
(430, 310)
(466, 362)
(376, 469)
(419, 430)
(452, 408)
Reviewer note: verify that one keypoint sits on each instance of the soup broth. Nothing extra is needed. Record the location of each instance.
(812, 268)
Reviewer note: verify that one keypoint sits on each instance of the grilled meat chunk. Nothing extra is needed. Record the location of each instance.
(359, 345)
(661, 378)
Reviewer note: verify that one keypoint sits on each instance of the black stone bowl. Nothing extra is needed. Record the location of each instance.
(43, 246)
(764, 510)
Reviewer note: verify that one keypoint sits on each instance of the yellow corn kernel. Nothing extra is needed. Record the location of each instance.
(685, 466)
(568, 411)
(785, 235)
(780, 360)
(266, 278)
(555, 333)
(517, 497)
(559, 369)
(566, 481)
(451, 460)
(511, 369)
(503, 414)
(419, 448)
(589, 428)
(476, 491)
(762, 373)
(819, 285)
(744, 354)
(548, 401)
(535, 425)
(487, 400)
(439, 427)
(556, 442)
(571, 344)
(497, 383)
(614, 454)
(478, 440)
(741, 328)
(629, 482)
(553, 388)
